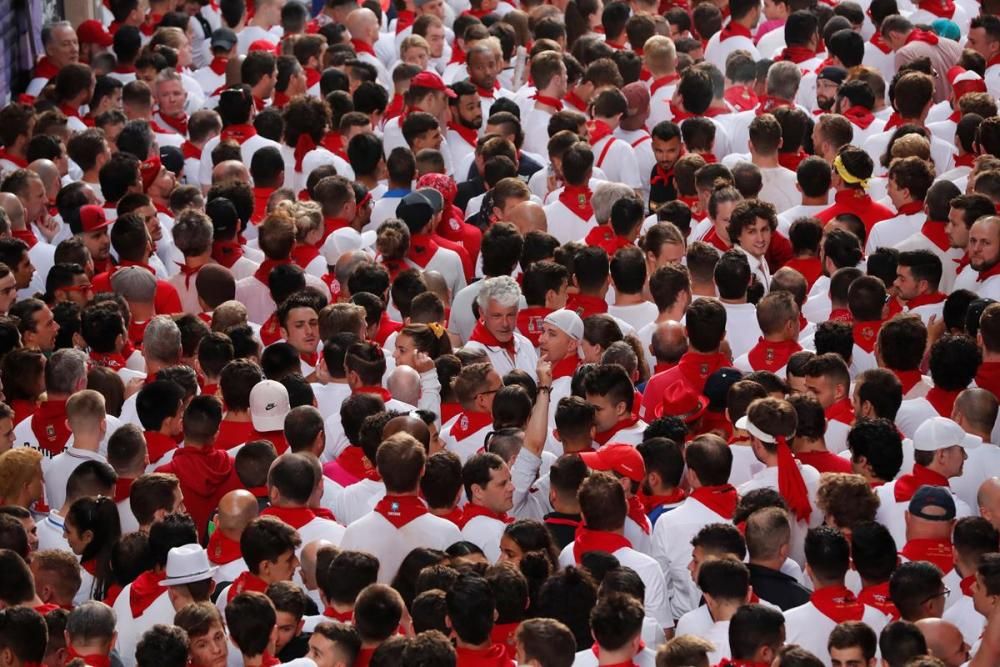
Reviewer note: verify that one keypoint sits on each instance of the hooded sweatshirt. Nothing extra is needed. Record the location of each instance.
(205, 474)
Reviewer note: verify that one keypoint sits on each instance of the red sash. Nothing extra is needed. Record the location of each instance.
(244, 583)
(943, 401)
(238, 133)
(468, 134)
(838, 604)
(423, 247)
(587, 540)
(877, 596)
(401, 510)
(917, 35)
(637, 512)
(354, 461)
(222, 550)
(469, 423)
(145, 589)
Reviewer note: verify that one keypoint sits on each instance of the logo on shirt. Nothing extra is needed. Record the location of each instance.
(463, 422)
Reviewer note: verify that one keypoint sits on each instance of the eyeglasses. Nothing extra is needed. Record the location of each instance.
(489, 391)
(944, 593)
(79, 288)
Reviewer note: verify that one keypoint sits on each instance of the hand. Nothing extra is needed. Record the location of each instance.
(423, 363)
(48, 226)
(935, 330)
(543, 370)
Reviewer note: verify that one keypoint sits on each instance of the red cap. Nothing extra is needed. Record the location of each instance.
(149, 170)
(263, 45)
(965, 81)
(93, 32)
(617, 457)
(92, 218)
(680, 400)
(432, 81)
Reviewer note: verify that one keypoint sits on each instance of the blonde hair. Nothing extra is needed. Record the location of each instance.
(171, 36)
(85, 410)
(17, 468)
(308, 216)
(414, 42)
(393, 241)
(911, 145)
(659, 53)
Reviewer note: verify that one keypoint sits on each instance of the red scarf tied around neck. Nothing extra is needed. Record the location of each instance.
(790, 483)
(587, 540)
(481, 334)
(917, 35)
(401, 510)
(720, 499)
(303, 147)
(838, 604)
(577, 199)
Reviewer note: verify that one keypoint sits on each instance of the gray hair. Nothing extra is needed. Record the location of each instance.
(51, 28)
(168, 75)
(66, 369)
(783, 80)
(91, 621)
(605, 195)
(193, 232)
(404, 384)
(162, 340)
(502, 289)
(134, 283)
(621, 353)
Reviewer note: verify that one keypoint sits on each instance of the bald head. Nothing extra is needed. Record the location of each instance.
(14, 209)
(236, 509)
(988, 499)
(976, 410)
(404, 384)
(230, 170)
(669, 342)
(436, 283)
(362, 24)
(407, 424)
(528, 216)
(307, 560)
(49, 173)
(944, 641)
(789, 280)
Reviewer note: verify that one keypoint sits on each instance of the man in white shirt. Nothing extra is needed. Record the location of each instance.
(812, 180)
(496, 331)
(265, 25)
(933, 234)
(735, 35)
(490, 494)
(236, 510)
(236, 108)
(609, 388)
(89, 479)
(613, 156)
(548, 73)
(732, 276)
(954, 361)
(87, 421)
(291, 484)
(984, 256)
(712, 500)
(909, 180)
(400, 521)
(779, 182)
(363, 26)
(475, 388)
(616, 624)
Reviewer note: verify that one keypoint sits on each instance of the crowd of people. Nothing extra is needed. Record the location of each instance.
(474, 333)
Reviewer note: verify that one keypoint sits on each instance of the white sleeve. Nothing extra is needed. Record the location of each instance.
(430, 393)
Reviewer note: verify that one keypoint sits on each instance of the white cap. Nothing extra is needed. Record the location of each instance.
(269, 405)
(344, 240)
(187, 564)
(566, 321)
(941, 433)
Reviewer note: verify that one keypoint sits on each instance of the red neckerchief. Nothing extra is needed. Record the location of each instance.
(908, 484)
(457, 55)
(304, 253)
(553, 102)
(334, 142)
(238, 133)
(280, 100)
(264, 270)
(362, 47)
(769, 104)
(259, 103)
(123, 488)
(381, 392)
(456, 516)
(469, 423)
(245, 583)
(190, 151)
(729, 662)
(423, 247)
(895, 120)
(935, 233)
(91, 660)
(720, 499)
(942, 8)
(637, 512)
(791, 161)
(860, 116)
(188, 272)
(662, 81)
(481, 334)
(71, 112)
(734, 29)
(404, 19)
(837, 603)
(157, 445)
(877, 596)
(149, 25)
(865, 334)
(790, 483)
(219, 64)
(472, 510)
(303, 146)
(966, 160)
(386, 327)
(565, 367)
(938, 551)
(917, 35)
(178, 123)
(697, 366)
(910, 208)
(796, 54)
(926, 299)
(222, 550)
(145, 589)
(587, 540)
(313, 76)
(330, 225)
(260, 197)
(771, 355)
(488, 93)
(989, 273)
(966, 585)
(605, 237)
(585, 305)
(49, 426)
(742, 98)
(604, 437)
(841, 315)
(342, 616)
(650, 503)
(270, 331)
(577, 199)
(296, 517)
(575, 100)
(226, 253)
(529, 323)
(25, 235)
(354, 461)
(401, 510)
(879, 42)
(842, 411)
(942, 400)
(988, 376)
(468, 134)
(19, 162)
(908, 379)
(45, 68)
(598, 130)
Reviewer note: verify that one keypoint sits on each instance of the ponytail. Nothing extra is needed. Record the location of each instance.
(100, 516)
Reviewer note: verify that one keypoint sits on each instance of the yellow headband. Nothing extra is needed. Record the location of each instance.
(847, 176)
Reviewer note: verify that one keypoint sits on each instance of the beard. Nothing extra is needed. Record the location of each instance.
(825, 103)
(473, 124)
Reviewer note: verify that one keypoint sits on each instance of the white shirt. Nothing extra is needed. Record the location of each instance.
(467, 446)
(949, 258)
(374, 534)
(942, 153)
(247, 150)
(566, 225)
(779, 188)
(618, 161)
(889, 233)
(912, 413)
(446, 262)
(50, 532)
(965, 617)
(716, 51)
(806, 626)
(485, 532)
(586, 658)
(742, 330)
(638, 315)
(525, 356)
(358, 499)
(130, 628)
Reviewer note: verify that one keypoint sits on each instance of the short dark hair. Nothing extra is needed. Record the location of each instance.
(753, 626)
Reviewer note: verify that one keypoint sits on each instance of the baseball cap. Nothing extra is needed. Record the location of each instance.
(222, 212)
(717, 387)
(617, 457)
(134, 283)
(263, 45)
(187, 564)
(965, 81)
(833, 73)
(566, 321)
(92, 31)
(941, 433)
(432, 81)
(434, 197)
(681, 400)
(172, 158)
(224, 38)
(92, 218)
(268, 405)
(937, 497)
(344, 240)
(415, 210)
(637, 96)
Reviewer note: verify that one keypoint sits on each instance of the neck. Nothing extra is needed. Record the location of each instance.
(802, 444)
(765, 161)
(990, 356)
(240, 416)
(669, 315)
(594, 293)
(615, 657)
(253, 660)
(577, 447)
(198, 261)
(622, 299)
(367, 180)
(724, 611)
(91, 176)
(742, 299)
(197, 445)
(141, 312)
(912, 121)
(936, 468)
(813, 201)
(702, 289)
(86, 441)
(566, 507)
(773, 563)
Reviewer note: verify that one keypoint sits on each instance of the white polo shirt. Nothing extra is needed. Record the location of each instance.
(525, 357)
(58, 470)
(374, 534)
(808, 627)
(464, 444)
(485, 532)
